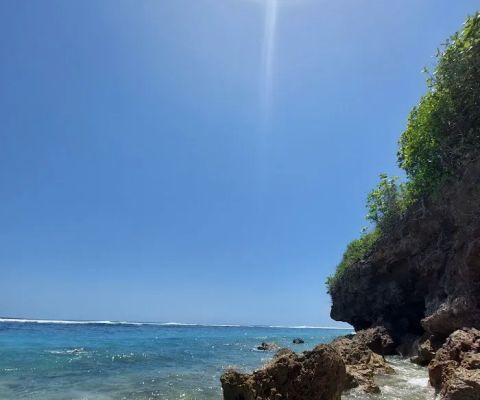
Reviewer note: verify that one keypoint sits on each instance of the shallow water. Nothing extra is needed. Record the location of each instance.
(410, 382)
(105, 361)
(132, 361)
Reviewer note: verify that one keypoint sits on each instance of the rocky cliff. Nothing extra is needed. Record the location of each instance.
(423, 276)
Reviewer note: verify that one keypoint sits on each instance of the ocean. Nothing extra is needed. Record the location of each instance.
(55, 360)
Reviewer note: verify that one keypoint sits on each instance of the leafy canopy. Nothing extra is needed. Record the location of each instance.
(443, 131)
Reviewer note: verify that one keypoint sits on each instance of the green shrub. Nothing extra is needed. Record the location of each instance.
(443, 131)
(384, 203)
(356, 251)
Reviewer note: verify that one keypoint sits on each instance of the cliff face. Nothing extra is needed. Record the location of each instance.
(424, 276)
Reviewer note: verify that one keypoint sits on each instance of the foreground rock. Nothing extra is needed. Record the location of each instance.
(425, 351)
(455, 370)
(313, 375)
(362, 364)
(268, 346)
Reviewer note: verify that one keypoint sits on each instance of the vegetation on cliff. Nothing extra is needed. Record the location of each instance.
(442, 134)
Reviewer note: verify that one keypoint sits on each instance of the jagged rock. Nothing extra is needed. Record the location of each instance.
(455, 313)
(377, 339)
(362, 364)
(283, 352)
(313, 375)
(426, 348)
(455, 370)
(268, 346)
(423, 275)
(298, 341)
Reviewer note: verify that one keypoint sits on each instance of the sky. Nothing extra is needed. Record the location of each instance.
(202, 161)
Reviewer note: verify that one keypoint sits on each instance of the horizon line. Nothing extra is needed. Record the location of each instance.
(141, 323)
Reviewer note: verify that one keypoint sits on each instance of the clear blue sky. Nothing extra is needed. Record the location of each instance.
(144, 177)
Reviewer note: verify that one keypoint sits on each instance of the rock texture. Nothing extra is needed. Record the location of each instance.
(455, 369)
(425, 349)
(377, 339)
(424, 276)
(362, 364)
(314, 375)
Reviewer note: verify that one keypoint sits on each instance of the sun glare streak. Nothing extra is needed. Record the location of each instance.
(268, 57)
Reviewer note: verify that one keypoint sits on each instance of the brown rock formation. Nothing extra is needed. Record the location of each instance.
(313, 375)
(362, 364)
(377, 339)
(426, 348)
(455, 370)
(424, 275)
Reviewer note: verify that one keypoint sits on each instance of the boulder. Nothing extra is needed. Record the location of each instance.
(455, 369)
(298, 341)
(377, 339)
(362, 364)
(265, 346)
(313, 375)
(426, 348)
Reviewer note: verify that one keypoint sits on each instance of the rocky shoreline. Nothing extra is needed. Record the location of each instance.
(348, 362)
(416, 294)
(354, 361)
(411, 284)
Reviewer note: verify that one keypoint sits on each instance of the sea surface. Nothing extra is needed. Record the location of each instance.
(55, 360)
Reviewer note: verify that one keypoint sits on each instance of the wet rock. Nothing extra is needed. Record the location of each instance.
(265, 346)
(362, 364)
(426, 348)
(455, 369)
(377, 339)
(313, 375)
(298, 341)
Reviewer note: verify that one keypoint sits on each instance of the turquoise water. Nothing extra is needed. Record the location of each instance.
(105, 361)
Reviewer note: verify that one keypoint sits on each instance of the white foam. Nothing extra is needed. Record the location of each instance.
(310, 327)
(68, 351)
(69, 322)
(418, 381)
(106, 322)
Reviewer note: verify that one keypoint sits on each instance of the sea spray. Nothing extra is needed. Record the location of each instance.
(410, 382)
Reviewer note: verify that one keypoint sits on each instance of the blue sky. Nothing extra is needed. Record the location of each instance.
(144, 177)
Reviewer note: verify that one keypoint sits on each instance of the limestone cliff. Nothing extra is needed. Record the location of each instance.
(423, 276)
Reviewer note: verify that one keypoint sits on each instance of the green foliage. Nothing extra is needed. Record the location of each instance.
(356, 251)
(384, 203)
(442, 134)
(443, 131)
